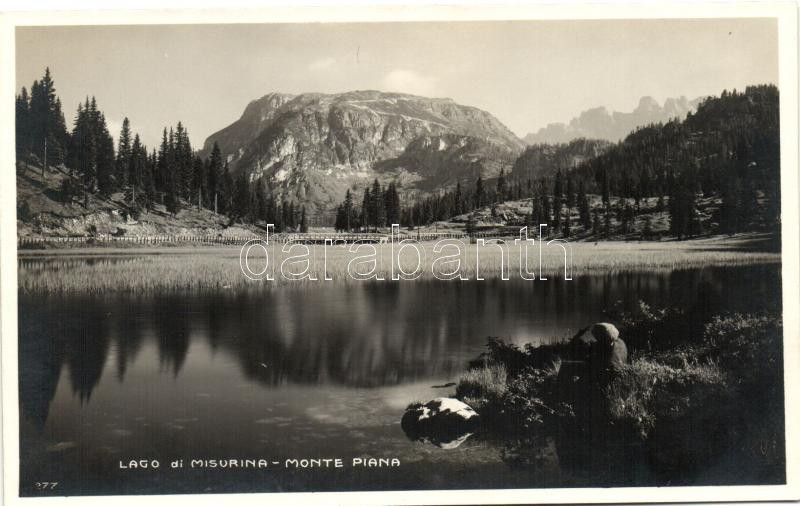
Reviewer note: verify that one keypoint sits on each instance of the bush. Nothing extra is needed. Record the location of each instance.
(69, 189)
(24, 212)
(700, 392)
(647, 391)
(534, 399)
(515, 359)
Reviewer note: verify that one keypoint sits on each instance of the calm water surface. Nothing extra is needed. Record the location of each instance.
(316, 372)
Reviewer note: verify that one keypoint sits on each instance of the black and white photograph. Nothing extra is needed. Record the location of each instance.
(263, 256)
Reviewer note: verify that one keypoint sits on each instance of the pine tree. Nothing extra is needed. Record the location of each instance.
(22, 120)
(349, 212)
(502, 190)
(260, 202)
(479, 196)
(164, 166)
(366, 209)
(556, 212)
(303, 221)
(47, 127)
(277, 214)
(392, 204)
(583, 208)
(558, 187)
(458, 204)
(123, 154)
(215, 177)
(199, 182)
(339, 224)
(241, 200)
(137, 165)
(149, 179)
(84, 150)
(571, 193)
(172, 176)
(105, 155)
(377, 209)
(227, 192)
(680, 209)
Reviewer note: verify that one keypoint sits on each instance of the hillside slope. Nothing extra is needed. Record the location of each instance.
(44, 210)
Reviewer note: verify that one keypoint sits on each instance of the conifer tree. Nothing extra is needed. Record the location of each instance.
(215, 178)
(479, 195)
(303, 220)
(366, 209)
(227, 191)
(123, 154)
(377, 208)
(199, 182)
(261, 202)
(349, 212)
(502, 190)
(46, 127)
(241, 201)
(22, 123)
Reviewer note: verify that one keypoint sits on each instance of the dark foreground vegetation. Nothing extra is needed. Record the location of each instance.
(700, 402)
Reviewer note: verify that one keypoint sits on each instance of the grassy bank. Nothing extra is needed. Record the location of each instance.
(701, 399)
(216, 268)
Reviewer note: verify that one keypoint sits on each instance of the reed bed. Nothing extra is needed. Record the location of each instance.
(218, 268)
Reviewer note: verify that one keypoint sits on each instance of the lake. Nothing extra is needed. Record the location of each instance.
(318, 371)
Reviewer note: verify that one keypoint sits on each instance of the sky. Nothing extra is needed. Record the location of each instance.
(526, 73)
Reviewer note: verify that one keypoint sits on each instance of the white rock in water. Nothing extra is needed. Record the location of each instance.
(445, 405)
(441, 421)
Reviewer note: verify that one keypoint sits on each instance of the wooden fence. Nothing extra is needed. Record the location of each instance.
(283, 238)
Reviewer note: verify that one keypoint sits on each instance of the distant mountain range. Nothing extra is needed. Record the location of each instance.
(313, 147)
(598, 123)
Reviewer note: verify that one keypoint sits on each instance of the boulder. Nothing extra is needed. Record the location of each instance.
(609, 352)
(444, 421)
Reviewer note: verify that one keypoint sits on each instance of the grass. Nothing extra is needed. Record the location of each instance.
(484, 385)
(712, 395)
(217, 268)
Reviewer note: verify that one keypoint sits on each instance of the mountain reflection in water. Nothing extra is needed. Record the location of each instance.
(333, 338)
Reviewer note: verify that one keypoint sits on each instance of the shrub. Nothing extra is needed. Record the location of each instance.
(700, 391)
(534, 399)
(647, 391)
(24, 212)
(515, 359)
(69, 189)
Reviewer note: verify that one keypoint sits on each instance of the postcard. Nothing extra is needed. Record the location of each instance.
(368, 255)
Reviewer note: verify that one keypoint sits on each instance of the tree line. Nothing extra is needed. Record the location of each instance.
(172, 175)
(728, 150)
(380, 207)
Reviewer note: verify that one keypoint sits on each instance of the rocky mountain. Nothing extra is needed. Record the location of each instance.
(598, 123)
(313, 147)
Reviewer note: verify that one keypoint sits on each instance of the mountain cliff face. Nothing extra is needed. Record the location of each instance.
(598, 123)
(313, 147)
